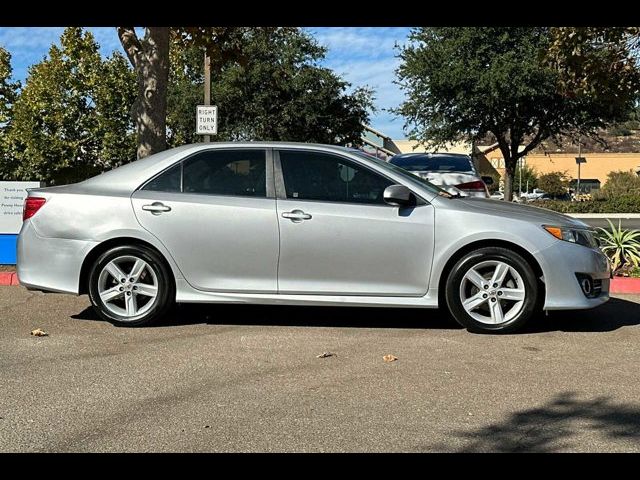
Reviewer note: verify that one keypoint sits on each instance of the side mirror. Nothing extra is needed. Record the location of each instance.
(398, 195)
(488, 180)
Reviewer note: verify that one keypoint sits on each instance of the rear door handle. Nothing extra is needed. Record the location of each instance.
(156, 208)
(296, 216)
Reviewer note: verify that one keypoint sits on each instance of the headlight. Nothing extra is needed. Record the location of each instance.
(573, 235)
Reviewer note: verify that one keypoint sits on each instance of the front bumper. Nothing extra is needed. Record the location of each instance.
(560, 263)
(50, 264)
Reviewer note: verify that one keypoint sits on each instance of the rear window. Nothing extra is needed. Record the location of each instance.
(434, 163)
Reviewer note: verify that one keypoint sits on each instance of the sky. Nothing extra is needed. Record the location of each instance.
(361, 55)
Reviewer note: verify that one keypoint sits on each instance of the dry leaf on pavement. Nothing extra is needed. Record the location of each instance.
(325, 355)
(39, 333)
(390, 358)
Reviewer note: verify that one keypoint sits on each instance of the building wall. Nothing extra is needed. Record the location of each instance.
(598, 164)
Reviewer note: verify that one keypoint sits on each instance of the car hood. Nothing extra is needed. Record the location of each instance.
(516, 211)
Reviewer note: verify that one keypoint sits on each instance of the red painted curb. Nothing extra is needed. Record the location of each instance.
(624, 285)
(9, 278)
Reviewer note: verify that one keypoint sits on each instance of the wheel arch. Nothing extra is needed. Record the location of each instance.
(461, 252)
(99, 249)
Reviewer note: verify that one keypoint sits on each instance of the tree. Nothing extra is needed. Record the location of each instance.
(554, 183)
(71, 119)
(151, 61)
(278, 93)
(470, 82)
(8, 95)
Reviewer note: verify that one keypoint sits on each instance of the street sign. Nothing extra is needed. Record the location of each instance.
(207, 120)
(12, 195)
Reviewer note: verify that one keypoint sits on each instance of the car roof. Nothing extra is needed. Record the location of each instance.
(129, 176)
(430, 154)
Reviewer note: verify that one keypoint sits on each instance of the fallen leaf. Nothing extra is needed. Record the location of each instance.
(39, 333)
(325, 355)
(390, 358)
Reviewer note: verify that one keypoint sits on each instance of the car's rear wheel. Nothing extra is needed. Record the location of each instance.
(492, 290)
(131, 286)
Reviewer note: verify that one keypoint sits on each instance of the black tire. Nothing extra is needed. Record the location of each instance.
(163, 301)
(456, 276)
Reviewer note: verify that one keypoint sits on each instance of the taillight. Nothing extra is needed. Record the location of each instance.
(31, 207)
(477, 185)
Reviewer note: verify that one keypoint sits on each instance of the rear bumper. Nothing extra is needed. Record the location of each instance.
(560, 263)
(50, 264)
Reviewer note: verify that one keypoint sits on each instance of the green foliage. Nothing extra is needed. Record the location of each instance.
(278, 93)
(554, 183)
(529, 177)
(619, 204)
(472, 81)
(72, 120)
(8, 95)
(621, 183)
(621, 246)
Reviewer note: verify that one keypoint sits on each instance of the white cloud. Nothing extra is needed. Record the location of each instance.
(368, 56)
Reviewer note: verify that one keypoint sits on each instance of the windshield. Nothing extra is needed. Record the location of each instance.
(409, 177)
(434, 163)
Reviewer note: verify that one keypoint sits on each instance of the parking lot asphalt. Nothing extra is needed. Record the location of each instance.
(247, 378)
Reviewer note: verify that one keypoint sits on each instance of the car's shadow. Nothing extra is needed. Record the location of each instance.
(613, 315)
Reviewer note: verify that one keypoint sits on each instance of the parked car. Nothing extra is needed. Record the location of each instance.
(446, 170)
(289, 223)
(500, 196)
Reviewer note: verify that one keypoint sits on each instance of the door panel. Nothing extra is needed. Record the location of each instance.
(219, 243)
(212, 213)
(355, 249)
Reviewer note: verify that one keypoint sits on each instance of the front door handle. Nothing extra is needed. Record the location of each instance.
(296, 216)
(156, 208)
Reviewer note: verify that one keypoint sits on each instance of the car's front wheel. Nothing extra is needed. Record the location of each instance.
(130, 286)
(492, 290)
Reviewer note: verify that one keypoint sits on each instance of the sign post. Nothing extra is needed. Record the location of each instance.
(207, 87)
(579, 160)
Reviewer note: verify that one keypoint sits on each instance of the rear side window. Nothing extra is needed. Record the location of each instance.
(434, 163)
(217, 172)
(168, 181)
(329, 178)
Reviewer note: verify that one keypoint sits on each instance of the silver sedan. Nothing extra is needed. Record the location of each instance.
(288, 223)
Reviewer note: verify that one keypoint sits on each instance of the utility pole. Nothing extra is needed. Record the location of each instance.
(520, 169)
(207, 85)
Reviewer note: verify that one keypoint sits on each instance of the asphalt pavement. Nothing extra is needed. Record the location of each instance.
(247, 378)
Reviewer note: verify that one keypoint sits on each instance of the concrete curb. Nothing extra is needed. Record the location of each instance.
(9, 278)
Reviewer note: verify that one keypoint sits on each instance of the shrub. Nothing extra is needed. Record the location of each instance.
(619, 204)
(621, 183)
(554, 183)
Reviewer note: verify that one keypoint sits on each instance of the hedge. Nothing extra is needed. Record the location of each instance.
(619, 204)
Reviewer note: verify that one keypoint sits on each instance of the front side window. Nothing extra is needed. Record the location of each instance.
(329, 178)
(216, 172)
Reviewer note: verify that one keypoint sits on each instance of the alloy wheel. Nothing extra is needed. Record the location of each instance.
(492, 292)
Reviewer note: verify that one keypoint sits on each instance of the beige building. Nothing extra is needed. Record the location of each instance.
(488, 158)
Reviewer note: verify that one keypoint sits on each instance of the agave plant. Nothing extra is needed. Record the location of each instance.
(621, 246)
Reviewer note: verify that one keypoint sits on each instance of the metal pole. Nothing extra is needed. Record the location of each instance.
(579, 156)
(520, 163)
(207, 86)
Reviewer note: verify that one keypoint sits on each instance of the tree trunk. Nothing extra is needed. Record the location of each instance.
(509, 175)
(150, 59)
